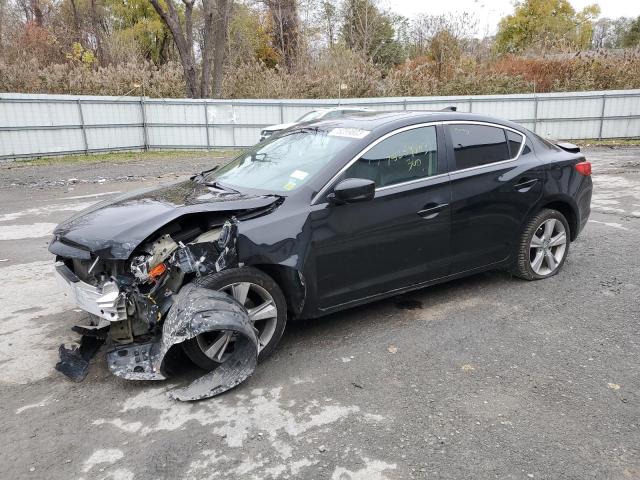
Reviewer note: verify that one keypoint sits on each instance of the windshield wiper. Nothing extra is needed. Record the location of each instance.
(308, 129)
(200, 177)
(220, 186)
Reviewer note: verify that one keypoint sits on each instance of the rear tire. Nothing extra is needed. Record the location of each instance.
(543, 246)
(262, 290)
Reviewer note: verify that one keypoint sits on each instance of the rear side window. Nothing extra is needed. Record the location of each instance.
(405, 156)
(476, 145)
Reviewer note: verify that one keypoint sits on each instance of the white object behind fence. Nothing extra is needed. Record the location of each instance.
(37, 125)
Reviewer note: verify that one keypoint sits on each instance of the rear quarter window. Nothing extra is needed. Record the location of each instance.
(515, 142)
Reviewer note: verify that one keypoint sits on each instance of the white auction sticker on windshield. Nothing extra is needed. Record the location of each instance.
(348, 132)
(299, 175)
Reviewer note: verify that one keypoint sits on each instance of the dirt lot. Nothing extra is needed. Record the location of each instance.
(486, 377)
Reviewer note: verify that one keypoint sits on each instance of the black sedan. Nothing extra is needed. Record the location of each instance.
(326, 216)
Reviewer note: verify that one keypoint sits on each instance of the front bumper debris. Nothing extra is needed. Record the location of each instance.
(106, 302)
(195, 310)
(74, 361)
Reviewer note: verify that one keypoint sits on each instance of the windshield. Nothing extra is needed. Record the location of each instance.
(312, 115)
(284, 163)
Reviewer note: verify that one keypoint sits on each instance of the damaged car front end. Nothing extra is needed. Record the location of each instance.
(138, 282)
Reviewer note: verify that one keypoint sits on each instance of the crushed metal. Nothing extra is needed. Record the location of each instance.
(145, 311)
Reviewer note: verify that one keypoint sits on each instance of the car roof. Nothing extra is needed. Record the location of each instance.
(388, 120)
(341, 108)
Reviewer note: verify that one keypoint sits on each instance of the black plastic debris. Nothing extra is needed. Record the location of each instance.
(195, 310)
(92, 331)
(74, 361)
(235, 370)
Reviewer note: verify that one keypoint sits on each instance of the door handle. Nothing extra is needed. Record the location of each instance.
(432, 210)
(525, 184)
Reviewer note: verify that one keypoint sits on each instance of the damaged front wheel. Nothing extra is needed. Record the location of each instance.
(267, 309)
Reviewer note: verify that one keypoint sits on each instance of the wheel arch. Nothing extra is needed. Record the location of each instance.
(290, 281)
(566, 208)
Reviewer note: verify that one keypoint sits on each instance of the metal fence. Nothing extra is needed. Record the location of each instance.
(39, 125)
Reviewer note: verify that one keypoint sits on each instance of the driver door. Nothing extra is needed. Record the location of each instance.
(401, 237)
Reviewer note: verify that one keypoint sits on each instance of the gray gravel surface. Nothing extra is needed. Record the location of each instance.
(25, 174)
(486, 377)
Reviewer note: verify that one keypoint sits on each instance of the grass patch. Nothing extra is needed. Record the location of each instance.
(123, 157)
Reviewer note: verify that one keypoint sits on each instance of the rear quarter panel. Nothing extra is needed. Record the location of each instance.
(565, 184)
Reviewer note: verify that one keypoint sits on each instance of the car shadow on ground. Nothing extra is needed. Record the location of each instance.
(376, 314)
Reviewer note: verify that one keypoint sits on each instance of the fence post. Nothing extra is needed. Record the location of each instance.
(144, 125)
(470, 104)
(604, 103)
(233, 124)
(535, 113)
(82, 127)
(281, 113)
(206, 123)
(404, 104)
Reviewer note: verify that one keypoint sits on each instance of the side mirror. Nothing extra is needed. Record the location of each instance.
(353, 190)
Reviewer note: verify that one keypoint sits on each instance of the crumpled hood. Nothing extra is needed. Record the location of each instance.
(114, 228)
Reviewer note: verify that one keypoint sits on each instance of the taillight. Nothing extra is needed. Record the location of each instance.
(584, 168)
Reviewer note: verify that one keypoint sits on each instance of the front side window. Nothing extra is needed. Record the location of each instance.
(476, 145)
(284, 163)
(405, 156)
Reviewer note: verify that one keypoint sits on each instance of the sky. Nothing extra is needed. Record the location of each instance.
(489, 12)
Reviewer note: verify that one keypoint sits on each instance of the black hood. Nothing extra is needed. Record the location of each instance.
(114, 228)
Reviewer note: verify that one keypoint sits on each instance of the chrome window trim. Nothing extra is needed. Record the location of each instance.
(323, 190)
(409, 182)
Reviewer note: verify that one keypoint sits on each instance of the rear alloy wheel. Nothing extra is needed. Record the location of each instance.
(265, 304)
(543, 246)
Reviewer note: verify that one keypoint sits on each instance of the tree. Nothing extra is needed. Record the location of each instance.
(3, 7)
(631, 38)
(250, 37)
(370, 31)
(221, 27)
(137, 23)
(442, 38)
(286, 29)
(614, 33)
(329, 19)
(545, 25)
(180, 22)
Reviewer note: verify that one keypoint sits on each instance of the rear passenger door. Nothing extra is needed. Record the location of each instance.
(495, 181)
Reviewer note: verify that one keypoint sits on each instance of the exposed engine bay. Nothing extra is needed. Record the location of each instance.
(146, 304)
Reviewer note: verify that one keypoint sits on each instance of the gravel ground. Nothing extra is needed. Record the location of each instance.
(486, 377)
(138, 169)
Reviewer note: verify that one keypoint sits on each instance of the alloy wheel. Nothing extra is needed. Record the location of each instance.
(263, 315)
(547, 247)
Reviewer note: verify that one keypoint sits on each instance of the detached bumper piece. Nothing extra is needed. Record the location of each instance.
(74, 361)
(195, 310)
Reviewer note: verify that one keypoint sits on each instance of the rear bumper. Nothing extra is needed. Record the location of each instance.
(584, 205)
